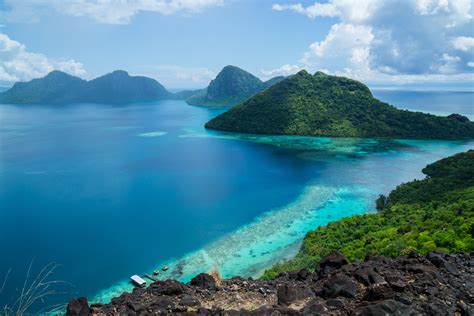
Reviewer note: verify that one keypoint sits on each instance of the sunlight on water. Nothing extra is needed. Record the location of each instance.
(269, 238)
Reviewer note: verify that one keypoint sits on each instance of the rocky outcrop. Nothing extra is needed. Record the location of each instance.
(435, 284)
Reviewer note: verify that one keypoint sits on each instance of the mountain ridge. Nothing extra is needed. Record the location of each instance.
(332, 106)
(60, 88)
(230, 87)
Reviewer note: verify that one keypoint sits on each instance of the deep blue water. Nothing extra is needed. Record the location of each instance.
(108, 192)
(436, 102)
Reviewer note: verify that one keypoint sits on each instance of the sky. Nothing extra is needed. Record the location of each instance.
(185, 43)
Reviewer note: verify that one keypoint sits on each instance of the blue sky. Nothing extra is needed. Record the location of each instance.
(184, 43)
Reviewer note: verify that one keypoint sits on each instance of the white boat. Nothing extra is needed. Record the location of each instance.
(165, 268)
(138, 281)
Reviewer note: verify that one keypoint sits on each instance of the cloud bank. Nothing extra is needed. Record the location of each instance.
(18, 64)
(398, 41)
(102, 11)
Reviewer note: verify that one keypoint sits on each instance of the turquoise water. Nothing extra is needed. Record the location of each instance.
(113, 191)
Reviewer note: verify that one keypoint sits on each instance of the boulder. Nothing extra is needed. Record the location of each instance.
(339, 285)
(288, 294)
(335, 260)
(368, 276)
(205, 281)
(168, 287)
(78, 307)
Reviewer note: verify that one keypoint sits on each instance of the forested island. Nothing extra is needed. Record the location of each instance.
(231, 86)
(59, 88)
(324, 105)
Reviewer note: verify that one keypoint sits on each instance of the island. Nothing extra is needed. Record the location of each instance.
(59, 88)
(231, 86)
(325, 105)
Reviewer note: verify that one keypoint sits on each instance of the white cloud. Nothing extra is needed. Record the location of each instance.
(103, 11)
(18, 64)
(346, 45)
(385, 39)
(284, 70)
(470, 64)
(348, 10)
(463, 43)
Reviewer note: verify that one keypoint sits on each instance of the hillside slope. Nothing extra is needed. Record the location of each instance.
(60, 88)
(323, 105)
(423, 215)
(231, 86)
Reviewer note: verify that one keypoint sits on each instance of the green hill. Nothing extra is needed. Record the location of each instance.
(423, 215)
(323, 105)
(231, 86)
(60, 88)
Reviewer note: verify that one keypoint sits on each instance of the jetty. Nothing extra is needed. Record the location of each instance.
(138, 281)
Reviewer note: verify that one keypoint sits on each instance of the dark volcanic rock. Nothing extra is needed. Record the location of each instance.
(335, 260)
(388, 307)
(288, 294)
(339, 285)
(435, 284)
(78, 307)
(204, 280)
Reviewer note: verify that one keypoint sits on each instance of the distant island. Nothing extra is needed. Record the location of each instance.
(58, 88)
(324, 105)
(231, 86)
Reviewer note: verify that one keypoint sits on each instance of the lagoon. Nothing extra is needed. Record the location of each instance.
(111, 191)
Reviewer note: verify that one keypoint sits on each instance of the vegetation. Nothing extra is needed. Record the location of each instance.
(423, 215)
(35, 289)
(323, 105)
(231, 86)
(60, 88)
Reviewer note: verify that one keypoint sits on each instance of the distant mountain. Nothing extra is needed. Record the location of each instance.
(60, 88)
(183, 95)
(231, 86)
(323, 105)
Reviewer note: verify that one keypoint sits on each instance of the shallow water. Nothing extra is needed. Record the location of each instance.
(113, 191)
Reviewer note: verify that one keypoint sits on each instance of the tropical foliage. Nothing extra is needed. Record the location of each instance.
(423, 215)
(231, 86)
(323, 105)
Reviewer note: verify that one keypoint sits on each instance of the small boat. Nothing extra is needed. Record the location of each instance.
(165, 268)
(156, 272)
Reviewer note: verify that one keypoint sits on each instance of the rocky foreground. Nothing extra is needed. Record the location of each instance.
(435, 284)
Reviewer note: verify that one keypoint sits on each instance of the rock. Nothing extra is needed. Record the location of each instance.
(335, 303)
(168, 287)
(435, 284)
(384, 308)
(339, 285)
(419, 268)
(78, 307)
(288, 294)
(315, 308)
(188, 300)
(378, 292)
(136, 307)
(205, 281)
(162, 304)
(438, 258)
(368, 276)
(335, 260)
